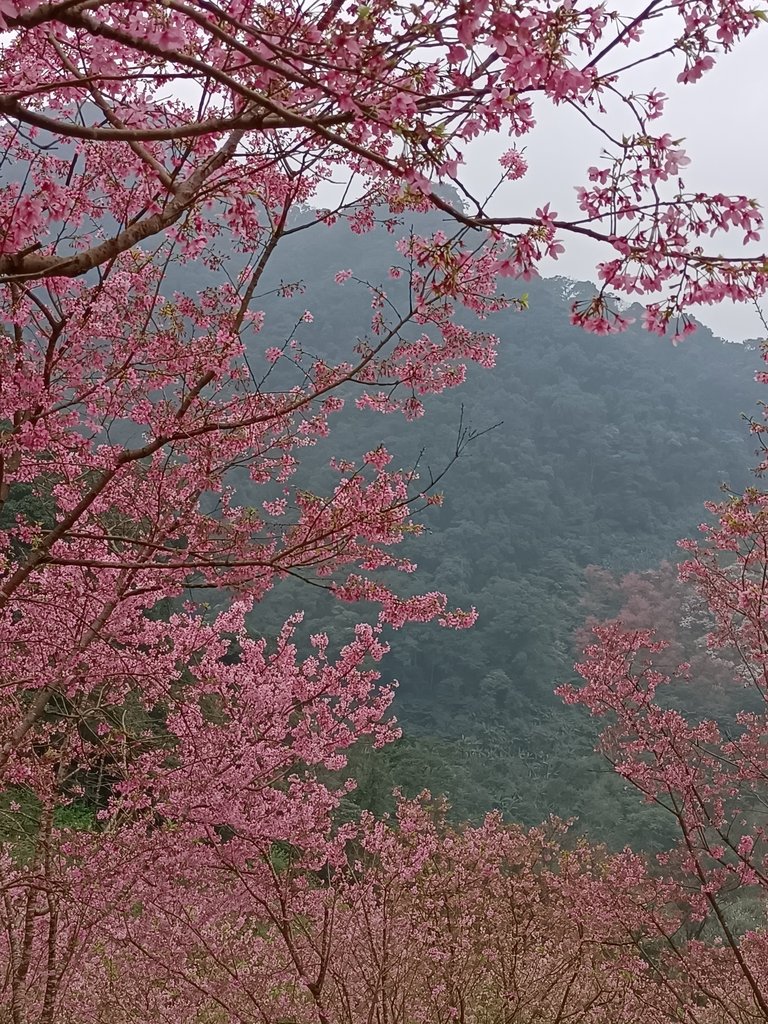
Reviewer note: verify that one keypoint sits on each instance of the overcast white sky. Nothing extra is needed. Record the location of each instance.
(722, 119)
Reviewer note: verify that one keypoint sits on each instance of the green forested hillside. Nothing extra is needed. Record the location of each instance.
(602, 453)
(606, 449)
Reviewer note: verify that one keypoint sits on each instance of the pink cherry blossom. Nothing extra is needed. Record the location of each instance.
(218, 878)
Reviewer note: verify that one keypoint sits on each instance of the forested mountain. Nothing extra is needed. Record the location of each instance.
(605, 450)
(602, 452)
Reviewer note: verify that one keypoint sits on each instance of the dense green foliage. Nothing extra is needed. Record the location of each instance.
(606, 449)
(602, 453)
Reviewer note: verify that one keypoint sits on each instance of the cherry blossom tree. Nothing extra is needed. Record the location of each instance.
(659, 600)
(141, 138)
(709, 775)
(413, 922)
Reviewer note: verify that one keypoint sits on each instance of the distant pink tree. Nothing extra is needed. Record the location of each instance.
(658, 599)
(141, 137)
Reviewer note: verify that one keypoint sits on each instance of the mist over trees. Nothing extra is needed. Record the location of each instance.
(603, 453)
